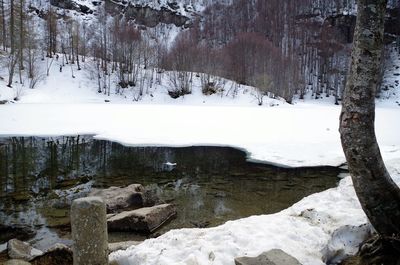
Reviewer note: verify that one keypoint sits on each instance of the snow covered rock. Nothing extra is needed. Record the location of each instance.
(272, 257)
(22, 250)
(345, 242)
(71, 5)
(144, 220)
(116, 199)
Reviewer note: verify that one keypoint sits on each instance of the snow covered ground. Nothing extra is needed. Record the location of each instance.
(303, 134)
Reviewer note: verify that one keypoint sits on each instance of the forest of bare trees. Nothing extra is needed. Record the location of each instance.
(282, 48)
(285, 47)
(279, 46)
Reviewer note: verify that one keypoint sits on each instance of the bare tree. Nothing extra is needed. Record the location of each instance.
(179, 84)
(13, 58)
(264, 86)
(378, 194)
(3, 25)
(51, 31)
(32, 54)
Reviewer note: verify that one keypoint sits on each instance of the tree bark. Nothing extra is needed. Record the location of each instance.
(378, 194)
(3, 25)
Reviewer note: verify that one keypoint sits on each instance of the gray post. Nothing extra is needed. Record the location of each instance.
(89, 231)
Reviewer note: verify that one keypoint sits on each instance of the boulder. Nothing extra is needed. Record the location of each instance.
(20, 232)
(58, 254)
(144, 220)
(345, 242)
(112, 247)
(22, 250)
(16, 262)
(117, 199)
(272, 257)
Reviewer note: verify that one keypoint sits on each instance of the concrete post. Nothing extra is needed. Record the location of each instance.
(89, 231)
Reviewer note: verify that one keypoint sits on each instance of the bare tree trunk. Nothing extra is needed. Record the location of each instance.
(21, 35)
(12, 30)
(378, 194)
(3, 24)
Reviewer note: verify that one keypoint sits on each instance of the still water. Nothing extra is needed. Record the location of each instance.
(39, 177)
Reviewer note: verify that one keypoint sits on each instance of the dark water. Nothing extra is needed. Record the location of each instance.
(39, 177)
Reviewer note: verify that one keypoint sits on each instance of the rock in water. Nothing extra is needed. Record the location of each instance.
(112, 247)
(16, 262)
(58, 254)
(89, 231)
(8, 232)
(131, 197)
(145, 220)
(272, 257)
(22, 250)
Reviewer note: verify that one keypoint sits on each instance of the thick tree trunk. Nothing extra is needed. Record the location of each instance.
(378, 194)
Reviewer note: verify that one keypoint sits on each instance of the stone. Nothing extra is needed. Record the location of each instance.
(20, 232)
(58, 254)
(89, 231)
(144, 220)
(345, 242)
(117, 199)
(22, 250)
(112, 247)
(272, 257)
(16, 262)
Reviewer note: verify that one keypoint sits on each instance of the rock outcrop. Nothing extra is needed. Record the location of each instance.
(149, 16)
(71, 5)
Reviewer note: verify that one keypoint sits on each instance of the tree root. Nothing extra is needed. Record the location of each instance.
(380, 250)
(377, 250)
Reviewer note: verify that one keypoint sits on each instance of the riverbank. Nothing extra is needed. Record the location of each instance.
(312, 230)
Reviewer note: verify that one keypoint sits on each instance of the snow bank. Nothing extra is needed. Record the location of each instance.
(301, 135)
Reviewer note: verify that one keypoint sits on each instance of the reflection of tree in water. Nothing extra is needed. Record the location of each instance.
(209, 185)
(24, 160)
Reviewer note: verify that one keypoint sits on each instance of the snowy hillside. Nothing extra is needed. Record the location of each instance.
(153, 88)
